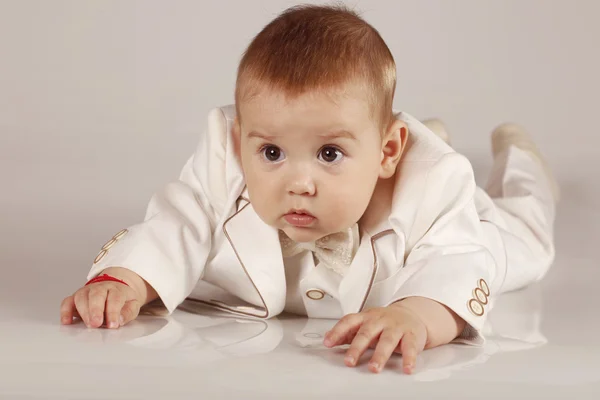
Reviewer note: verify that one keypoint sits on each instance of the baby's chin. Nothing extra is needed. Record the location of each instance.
(303, 235)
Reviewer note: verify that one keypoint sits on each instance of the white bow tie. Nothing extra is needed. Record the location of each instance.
(335, 251)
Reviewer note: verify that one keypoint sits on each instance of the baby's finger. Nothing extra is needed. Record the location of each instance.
(368, 332)
(339, 332)
(130, 311)
(410, 347)
(388, 342)
(97, 301)
(66, 310)
(348, 337)
(114, 303)
(82, 305)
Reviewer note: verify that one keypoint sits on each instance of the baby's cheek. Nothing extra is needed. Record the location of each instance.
(266, 212)
(263, 202)
(347, 208)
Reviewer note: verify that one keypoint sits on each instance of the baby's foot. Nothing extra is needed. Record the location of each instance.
(507, 135)
(438, 128)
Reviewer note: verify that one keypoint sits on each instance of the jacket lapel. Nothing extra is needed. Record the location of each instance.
(374, 225)
(356, 285)
(256, 246)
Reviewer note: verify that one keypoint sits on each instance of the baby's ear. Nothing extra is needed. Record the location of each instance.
(392, 146)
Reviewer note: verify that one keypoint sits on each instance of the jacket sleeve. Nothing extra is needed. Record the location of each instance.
(449, 262)
(169, 249)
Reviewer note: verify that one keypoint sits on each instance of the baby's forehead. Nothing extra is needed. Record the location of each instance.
(260, 91)
(321, 107)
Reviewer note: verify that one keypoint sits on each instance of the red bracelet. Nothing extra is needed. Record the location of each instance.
(104, 277)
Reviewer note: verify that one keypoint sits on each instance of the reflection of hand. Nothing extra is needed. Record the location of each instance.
(142, 327)
(395, 328)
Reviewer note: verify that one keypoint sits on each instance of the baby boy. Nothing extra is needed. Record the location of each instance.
(311, 195)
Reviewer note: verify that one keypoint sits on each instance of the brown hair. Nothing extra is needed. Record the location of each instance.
(311, 47)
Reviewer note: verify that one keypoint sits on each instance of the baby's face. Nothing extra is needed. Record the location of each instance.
(311, 164)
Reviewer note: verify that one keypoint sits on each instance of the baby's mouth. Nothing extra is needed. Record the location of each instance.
(299, 211)
(299, 218)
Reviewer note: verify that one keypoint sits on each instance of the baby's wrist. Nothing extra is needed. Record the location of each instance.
(144, 292)
(443, 325)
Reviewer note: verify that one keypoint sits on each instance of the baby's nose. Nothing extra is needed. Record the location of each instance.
(302, 185)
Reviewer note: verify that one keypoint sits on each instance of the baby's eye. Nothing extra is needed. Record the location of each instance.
(272, 153)
(330, 154)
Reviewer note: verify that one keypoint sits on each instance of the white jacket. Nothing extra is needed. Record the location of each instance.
(201, 239)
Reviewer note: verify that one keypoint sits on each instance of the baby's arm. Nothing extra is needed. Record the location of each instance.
(442, 290)
(443, 325)
(165, 255)
(145, 291)
(109, 302)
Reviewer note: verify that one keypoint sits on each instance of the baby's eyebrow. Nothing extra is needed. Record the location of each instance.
(329, 135)
(259, 135)
(339, 134)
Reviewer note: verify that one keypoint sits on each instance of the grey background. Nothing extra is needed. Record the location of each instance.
(101, 102)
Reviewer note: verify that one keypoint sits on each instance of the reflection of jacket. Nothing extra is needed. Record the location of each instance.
(513, 326)
(215, 334)
(201, 238)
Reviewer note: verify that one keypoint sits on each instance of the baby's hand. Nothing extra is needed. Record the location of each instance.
(119, 302)
(395, 328)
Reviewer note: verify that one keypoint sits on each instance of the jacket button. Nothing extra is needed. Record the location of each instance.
(315, 294)
(120, 234)
(109, 244)
(484, 286)
(476, 308)
(100, 256)
(480, 295)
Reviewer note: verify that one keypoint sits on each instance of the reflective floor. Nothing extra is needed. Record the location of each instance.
(543, 342)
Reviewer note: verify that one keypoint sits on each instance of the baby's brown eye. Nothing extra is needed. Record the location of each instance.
(272, 153)
(330, 154)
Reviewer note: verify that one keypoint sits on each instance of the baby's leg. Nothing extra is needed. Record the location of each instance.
(525, 194)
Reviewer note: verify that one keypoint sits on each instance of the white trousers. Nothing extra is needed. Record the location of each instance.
(519, 209)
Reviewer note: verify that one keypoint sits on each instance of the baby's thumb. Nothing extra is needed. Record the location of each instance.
(130, 311)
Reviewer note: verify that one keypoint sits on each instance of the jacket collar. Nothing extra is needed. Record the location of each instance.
(259, 255)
